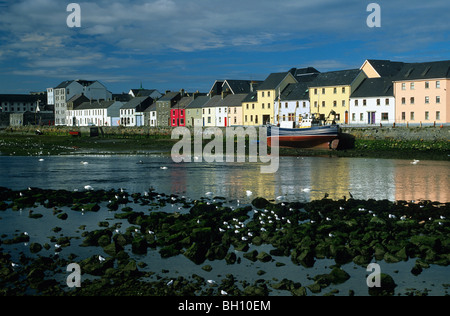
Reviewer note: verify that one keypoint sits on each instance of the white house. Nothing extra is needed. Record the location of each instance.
(103, 113)
(133, 112)
(295, 105)
(59, 96)
(209, 111)
(373, 102)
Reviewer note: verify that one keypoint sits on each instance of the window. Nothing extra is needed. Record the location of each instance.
(386, 102)
(378, 102)
(323, 104)
(403, 86)
(251, 118)
(291, 117)
(412, 100)
(335, 90)
(256, 119)
(438, 100)
(427, 100)
(235, 120)
(304, 104)
(364, 102)
(361, 117)
(334, 103)
(403, 116)
(353, 117)
(403, 100)
(427, 116)
(261, 106)
(246, 120)
(323, 91)
(427, 85)
(438, 115)
(343, 102)
(412, 86)
(315, 91)
(315, 104)
(268, 105)
(286, 105)
(411, 116)
(356, 102)
(298, 104)
(268, 93)
(246, 106)
(343, 90)
(262, 94)
(385, 116)
(438, 84)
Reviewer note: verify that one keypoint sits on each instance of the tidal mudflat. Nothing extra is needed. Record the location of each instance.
(153, 243)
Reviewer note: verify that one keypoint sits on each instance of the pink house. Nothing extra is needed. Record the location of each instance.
(422, 93)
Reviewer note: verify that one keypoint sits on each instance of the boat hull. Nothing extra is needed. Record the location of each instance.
(321, 137)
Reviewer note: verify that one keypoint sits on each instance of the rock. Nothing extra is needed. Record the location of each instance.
(315, 288)
(301, 291)
(35, 247)
(339, 276)
(104, 240)
(207, 268)
(264, 257)
(196, 253)
(231, 258)
(139, 246)
(251, 255)
(260, 202)
(62, 216)
(387, 286)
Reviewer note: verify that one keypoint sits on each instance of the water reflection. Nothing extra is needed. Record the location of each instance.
(299, 179)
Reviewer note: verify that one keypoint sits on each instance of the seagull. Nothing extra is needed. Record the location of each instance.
(249, 193)
(415, 162)
(392, 216)
(306, 190)
(211, 281)
(101, 259)
(169, 283)
(442, 217)
(41, 160)
(84, 163)
(88, 187)
(164, 168)
(223, 292)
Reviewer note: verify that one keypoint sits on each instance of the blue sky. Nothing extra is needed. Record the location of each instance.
(188, 44)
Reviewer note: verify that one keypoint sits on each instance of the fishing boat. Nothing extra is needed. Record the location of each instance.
(314, 137)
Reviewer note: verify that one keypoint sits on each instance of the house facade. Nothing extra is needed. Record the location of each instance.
(330, 92)
(293, 104)
(233, 103)
(262, 110)
(209, 111)
(422, 93)
(163, 107)
(133, 112)
(194, 111)
(59, 96)
(103, 113)
(373, 102)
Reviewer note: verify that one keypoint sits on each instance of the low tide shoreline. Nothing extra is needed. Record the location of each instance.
(209, 231)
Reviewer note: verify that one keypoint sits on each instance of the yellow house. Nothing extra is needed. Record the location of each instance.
(331, 91)
(258, 107)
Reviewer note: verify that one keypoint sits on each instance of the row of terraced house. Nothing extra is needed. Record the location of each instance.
(379, 92)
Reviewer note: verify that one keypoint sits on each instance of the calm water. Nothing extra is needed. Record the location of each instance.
(300, 179)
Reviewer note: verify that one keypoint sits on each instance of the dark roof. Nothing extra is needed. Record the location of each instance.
(305, 74)
(123, 97)
(295, 91)
(143, 92)
(184, 102)
(198, 102)
(232, 100)
(138, 103)
(242, 86)
(430, 70)
(213, 102)
(251, 97)
(169, 96)
(273, 81)
(335, 78)
(375, 87)
(386, 68)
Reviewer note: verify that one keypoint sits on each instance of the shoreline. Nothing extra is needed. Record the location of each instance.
(55, 142)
